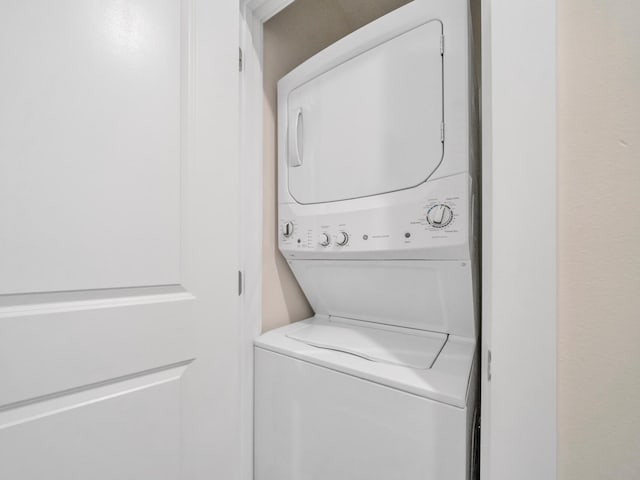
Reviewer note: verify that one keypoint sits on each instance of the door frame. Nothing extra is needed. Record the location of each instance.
(518, 386)
(253, 14)
(519, 231)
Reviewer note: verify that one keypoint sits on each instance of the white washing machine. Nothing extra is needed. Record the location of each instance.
(376, 214)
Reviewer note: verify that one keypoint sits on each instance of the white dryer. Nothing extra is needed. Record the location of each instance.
(376, 214)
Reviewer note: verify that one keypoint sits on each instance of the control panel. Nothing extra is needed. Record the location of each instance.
(438, 218)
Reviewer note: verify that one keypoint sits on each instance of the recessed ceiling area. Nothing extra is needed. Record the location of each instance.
(307, 26)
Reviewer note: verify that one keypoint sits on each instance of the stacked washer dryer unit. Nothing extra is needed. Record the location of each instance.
(376, 218)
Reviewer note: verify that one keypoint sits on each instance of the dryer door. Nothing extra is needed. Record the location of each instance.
(372, 124)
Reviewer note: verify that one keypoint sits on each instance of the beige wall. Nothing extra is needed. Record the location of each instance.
(295, 34)
(599, 239)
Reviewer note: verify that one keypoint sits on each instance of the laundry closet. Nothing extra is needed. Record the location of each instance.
(368, 364)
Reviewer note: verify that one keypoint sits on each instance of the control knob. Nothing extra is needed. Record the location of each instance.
(325, 240)
(287, 229)
(439, 215)
(342, 238)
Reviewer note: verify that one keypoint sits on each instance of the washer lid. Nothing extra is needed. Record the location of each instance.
(414, 349)
(370, 125)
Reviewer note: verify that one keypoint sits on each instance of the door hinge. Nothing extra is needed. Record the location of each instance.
(441, 44)
(489, 365)
(240, 60)
(239, 283)
(441, 132)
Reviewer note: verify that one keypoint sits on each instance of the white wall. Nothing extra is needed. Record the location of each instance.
(599, 239)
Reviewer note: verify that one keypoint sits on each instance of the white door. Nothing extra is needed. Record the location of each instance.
(118, 257)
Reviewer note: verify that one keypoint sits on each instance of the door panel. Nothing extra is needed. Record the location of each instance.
(118, 295)
(91, 132)
(55, 347)
(82, 434)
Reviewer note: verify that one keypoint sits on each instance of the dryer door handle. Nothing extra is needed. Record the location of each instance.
(295, 139)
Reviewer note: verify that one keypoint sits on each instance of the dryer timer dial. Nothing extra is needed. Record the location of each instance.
(440, 215)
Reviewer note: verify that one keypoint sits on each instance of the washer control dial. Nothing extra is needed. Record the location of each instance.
(440, 215)
(342, 238)
(287, 229)
(325, 240)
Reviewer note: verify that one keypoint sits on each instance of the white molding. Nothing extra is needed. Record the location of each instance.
(24, 310)
(251, 200)
(519, 239)
(253, 14)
